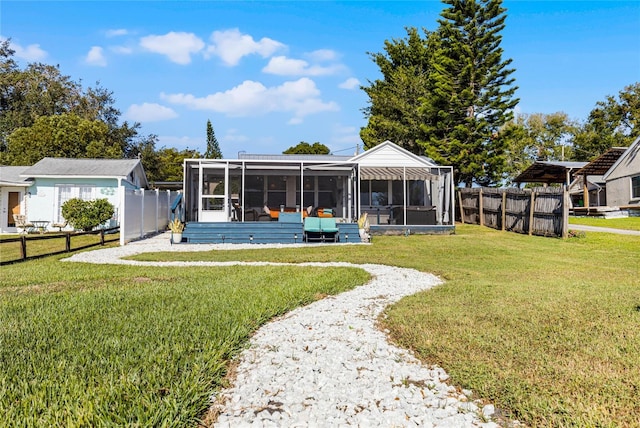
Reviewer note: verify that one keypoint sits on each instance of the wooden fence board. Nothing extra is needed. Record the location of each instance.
(540, 211)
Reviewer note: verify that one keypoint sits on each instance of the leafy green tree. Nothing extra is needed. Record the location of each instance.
(614, 122)
(87, 215)
(394, 100)
(535, 137)
(213, 148)
(41, 91)
(170, 162)
(62, 135)
(304, 148)
(472, 95)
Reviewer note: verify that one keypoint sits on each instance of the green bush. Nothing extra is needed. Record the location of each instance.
(87, 215)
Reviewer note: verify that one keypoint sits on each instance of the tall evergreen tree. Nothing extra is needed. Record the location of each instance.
(472, 93)
(213, 149)
(393, 112)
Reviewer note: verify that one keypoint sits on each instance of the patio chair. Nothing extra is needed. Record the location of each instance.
(61, 225)
(329, 229)
(312, 230)
(21, 222)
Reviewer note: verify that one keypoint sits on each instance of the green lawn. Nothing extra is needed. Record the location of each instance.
(91, 345)
(630, 223)
(548, 329)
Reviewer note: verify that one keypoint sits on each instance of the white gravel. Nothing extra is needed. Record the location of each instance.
(327, 364)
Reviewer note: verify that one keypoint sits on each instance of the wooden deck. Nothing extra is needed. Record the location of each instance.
(275, 232)
(258, 232)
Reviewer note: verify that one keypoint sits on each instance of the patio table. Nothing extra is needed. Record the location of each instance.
(41, 225)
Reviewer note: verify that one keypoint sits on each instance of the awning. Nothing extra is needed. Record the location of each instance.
(394, 173)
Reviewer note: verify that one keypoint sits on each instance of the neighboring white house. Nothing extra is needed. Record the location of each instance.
(40, 190)
(623, 178)
(13, 189)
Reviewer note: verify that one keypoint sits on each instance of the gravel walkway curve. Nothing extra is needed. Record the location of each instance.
(327, 364)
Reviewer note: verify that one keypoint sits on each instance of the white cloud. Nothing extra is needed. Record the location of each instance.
(96, 57)
(116, 32)
(350, 83)
(250, 98)
(231, 46)
(232, 136)
(178, 47)
(149, 112)
(283, 66)
(122, 50)
(180, 143)
(30, 53)
(323, 55)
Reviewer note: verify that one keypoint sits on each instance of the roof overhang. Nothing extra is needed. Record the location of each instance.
(602, 163)
(548, 172)
(394, 173)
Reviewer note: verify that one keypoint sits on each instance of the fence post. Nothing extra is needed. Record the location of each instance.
(461, 207)
(23, 247)
(481, 207)
(565, 212)
(504, 208)
(102, 237)
(531, 212)
(67, 242)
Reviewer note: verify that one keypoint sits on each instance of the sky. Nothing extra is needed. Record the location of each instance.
(270, 74)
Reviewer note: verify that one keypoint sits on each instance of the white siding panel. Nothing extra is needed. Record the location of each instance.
(388, 156)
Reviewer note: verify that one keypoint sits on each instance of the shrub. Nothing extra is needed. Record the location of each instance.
(86, 215)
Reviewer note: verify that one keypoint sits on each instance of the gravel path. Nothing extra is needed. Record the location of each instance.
(604, 229)
(327, 364)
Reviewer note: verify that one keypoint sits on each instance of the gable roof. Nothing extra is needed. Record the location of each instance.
(389, 154)
(627, 164)
(84, 168)
(10, 176)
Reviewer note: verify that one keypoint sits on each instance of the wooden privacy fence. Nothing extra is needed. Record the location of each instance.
(541, 211)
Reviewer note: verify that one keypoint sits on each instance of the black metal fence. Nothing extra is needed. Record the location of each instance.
(541, 211)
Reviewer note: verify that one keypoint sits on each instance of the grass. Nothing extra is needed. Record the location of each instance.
(54, 242)
(93, 345)
(629, 223)
(547, 329)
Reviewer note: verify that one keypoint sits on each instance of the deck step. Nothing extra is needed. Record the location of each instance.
(257, 232)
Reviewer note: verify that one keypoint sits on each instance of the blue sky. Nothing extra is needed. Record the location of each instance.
(271, 74)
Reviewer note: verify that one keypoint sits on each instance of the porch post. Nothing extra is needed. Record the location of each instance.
(302, 204)
(200, 186)
(357, 191)
(243, 206)
(404, 194)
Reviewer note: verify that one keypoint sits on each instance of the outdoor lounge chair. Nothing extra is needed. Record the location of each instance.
(329, 229)
(312, 230)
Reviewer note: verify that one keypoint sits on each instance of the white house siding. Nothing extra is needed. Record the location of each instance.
(44, 199)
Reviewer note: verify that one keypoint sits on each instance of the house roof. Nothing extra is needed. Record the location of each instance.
(602, 163)
(389, 154)
(82, 167)
(548, 172)
(10, 176)
(293, 157)
(630, 159)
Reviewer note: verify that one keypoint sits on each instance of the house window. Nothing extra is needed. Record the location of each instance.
(375, 192)
(70, 191)
(635, 187)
